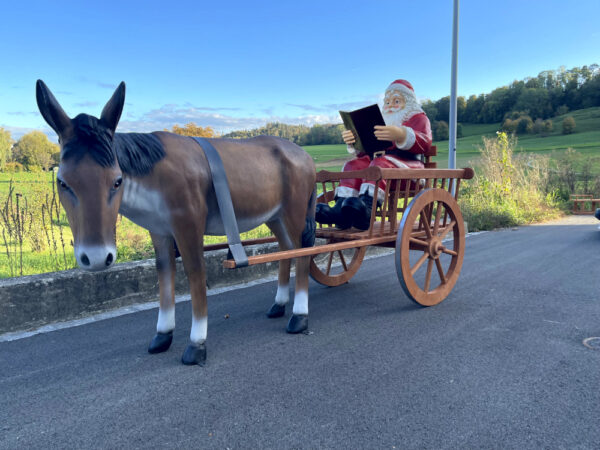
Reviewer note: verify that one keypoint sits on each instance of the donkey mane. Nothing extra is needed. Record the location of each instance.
(137, 153)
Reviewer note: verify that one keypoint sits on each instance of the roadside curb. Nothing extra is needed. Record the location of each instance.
(33, 301)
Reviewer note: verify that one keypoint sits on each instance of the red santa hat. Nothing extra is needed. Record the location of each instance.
(403, 86)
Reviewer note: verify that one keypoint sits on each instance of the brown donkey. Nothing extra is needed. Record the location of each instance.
(162, 182)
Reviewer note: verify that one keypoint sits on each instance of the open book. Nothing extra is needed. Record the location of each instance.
(362, 123)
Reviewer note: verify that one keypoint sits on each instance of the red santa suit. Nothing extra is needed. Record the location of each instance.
(402, 154)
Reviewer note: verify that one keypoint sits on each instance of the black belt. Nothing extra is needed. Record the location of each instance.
(404, 154)
(219, 179)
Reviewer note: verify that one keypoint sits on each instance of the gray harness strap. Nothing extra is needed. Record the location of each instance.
(219, 179)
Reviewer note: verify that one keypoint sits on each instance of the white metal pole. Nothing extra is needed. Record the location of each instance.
(452, 118)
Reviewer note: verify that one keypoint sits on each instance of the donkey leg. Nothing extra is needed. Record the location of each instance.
(192, 253)
(282, 296)
(165, 266)
(299, 320)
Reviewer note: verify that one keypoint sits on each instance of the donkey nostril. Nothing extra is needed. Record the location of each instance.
(109, 259)
(85, 260)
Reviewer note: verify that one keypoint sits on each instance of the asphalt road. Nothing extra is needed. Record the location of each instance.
(499, 364)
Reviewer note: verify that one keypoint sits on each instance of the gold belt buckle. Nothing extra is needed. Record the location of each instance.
(378, 154)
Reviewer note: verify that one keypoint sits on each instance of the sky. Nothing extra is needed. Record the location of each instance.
(237, 65)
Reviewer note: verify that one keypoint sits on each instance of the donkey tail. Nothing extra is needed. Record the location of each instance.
(308, 234)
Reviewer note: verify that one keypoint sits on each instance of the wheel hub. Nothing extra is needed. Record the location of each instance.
(435, 247)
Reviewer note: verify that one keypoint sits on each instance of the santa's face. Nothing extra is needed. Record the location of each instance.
(393, 102)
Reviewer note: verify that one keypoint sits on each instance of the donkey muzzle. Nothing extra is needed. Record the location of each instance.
(94, 258)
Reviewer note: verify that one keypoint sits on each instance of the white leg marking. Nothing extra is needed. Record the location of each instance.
(199, 330)
(283, 294)
(301, 303)
(166, 320)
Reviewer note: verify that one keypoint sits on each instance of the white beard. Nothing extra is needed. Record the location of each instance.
(397, 118)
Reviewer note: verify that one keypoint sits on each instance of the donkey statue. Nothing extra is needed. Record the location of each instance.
(162, 182)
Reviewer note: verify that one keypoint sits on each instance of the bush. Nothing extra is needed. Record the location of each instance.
(547, 127)
(509, 126)
(13, 167)
(568, 125)
(507, 191)
(524, 125)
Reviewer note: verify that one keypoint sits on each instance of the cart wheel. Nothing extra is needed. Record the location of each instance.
(337, 267)
(427, 262)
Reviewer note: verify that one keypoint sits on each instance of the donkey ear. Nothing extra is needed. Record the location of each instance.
(51, 109)
(113, 109)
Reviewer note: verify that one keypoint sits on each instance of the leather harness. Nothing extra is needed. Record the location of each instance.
(221, 186)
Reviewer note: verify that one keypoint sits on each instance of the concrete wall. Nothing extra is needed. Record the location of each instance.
(32, 301)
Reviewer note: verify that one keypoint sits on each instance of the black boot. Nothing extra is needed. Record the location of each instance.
(358, 209)
(332, 214)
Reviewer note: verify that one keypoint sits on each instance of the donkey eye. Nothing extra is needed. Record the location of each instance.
(62, 184)
(118, 183)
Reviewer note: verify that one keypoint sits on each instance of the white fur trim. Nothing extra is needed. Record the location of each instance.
(396, 162)
(368, 188)
(409, 141)
(406, 92)
(301, 303)
(345, 191)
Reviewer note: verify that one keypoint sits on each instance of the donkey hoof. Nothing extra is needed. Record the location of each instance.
(297, 324)
(194, 355)
(276, 311)
(161, 342)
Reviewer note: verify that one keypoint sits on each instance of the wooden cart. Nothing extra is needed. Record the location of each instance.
(419, 216)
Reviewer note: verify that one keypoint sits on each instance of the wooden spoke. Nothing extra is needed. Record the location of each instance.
(440, 269)
(436, 225)
(428, 275)
(419, 263)
(419, 242)
(447, 251)
(447, 229)
(425, 225)
(329, 263)
(343, 260)
(330, 274)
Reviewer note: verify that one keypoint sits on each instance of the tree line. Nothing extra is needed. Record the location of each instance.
(551, 93)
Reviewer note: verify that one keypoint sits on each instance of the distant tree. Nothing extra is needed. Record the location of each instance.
(443, 109)
(509, 126)
(35, 151)
(430, 110)
(524, 125)
(461, 109)
(568, 125)
(562, 109)
(440, 131)
(6, 143)
(538, 126)
(459, 130)
(191, 129)
(547, 127)
(535, 101)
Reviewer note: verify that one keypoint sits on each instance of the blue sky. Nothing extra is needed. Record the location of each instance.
(240, 64)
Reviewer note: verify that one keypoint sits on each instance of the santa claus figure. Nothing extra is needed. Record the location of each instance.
(409, 128)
